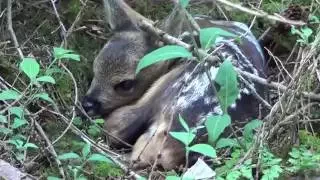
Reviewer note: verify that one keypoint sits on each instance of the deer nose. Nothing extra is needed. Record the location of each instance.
(90, 105)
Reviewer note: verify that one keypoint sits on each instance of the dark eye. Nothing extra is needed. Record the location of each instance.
(126, 86)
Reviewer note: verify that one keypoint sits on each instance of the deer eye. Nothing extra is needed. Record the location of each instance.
(126, 86)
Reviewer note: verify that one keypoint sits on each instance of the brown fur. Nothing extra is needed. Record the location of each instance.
(144, 114)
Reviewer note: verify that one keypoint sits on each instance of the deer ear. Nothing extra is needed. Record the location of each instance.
(175, 22)
(116, 15)
(121, 16)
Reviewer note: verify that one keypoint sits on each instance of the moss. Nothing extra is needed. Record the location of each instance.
(310, 140)
(107, 170)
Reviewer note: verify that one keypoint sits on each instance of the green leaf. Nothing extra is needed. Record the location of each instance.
(183, 123)
(43, 96)
(248, 129)
(246, 169)
(54, 70)
(185, 137)
(18, 111)
(81, 177)
(233, 175)
(30, 145)
(215, 126)
(227, 80)
(184, 3)
(314, 19)
(162, 54)
(3, 119)
(48, 79)
(99, 158)
(272, 173)
(307, 32)
(173, 178)
(99, 121)
(204, 149)
(94, 130)
(30, 67)
(226, 142)
(18, 143)
(18, 123)
(77, 121)
(60, 53)
(70, 155)
(5, 131)
(141, 178)
(53, 178)
(9, 95)
(86, 150)
(208, 36)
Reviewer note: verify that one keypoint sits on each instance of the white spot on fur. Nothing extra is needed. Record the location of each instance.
(245, 91)
(233, 106)
(217, 110)
(196, 89)
(243, 61)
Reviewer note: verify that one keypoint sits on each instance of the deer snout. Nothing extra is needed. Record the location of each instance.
(91, 105)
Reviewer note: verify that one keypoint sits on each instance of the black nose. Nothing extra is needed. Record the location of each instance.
(90, 105)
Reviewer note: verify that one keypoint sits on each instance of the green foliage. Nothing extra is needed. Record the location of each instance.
(9, 95)
(226, 142)
(210, 36)
(309, 140)
(215, 126)
(270, 165)
(303, 159)
(173, 178)
(229, 164)
(94, 129)
(163, 54)
(3, 119)
(53, 178)
(60, 53)
(187, 137)
(67, 156)
(43, 96)
(30, 67)
(184, 3)
(228, 85)
(20, 146)
(99, 158)
(204, 149)
(84, 158)
(103, 169)
(13, 120)
(249, 128)
(304, 34)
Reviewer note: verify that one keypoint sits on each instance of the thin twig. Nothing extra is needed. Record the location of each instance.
(64, 31)
(10, 28)
(44, 136)
(51, 148)
(260, 13)
(75, 102)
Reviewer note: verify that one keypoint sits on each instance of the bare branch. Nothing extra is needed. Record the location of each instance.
(260, 13)
(10, 29)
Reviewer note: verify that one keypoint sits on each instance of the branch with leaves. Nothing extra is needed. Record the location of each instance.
(165, 37)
